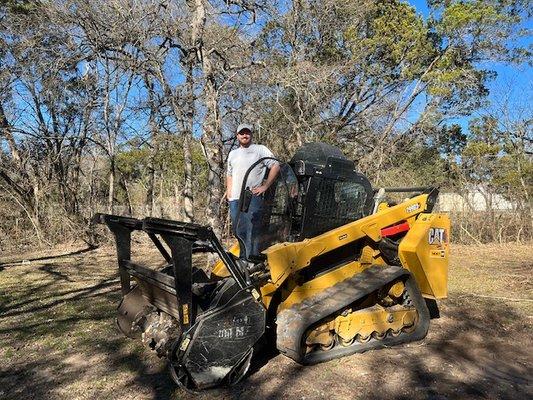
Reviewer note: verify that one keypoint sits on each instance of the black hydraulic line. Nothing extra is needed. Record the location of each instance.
(238, 274)
(432, 199)
(241, 201)
(245, 179)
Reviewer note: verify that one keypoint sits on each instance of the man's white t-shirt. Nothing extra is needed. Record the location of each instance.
(240, 160)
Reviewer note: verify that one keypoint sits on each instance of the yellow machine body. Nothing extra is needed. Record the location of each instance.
(219, 269)
(423, 251)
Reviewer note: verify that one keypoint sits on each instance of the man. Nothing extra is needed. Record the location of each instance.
(239, 161)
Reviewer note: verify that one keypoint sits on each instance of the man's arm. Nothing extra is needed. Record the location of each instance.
(272, 174)
(229, 176)
(229, 184)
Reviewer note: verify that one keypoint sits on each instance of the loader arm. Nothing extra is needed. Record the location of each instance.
(285, 259)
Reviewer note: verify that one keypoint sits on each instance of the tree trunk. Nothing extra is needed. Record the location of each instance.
(211, 139)
(177, 202)
(527, 198)
(150, 198)
(154, 130)
(36, 220)
(212, 145)
(161, 191)
(111, 187)
(128, 198)
(5, 131)
(188, 200)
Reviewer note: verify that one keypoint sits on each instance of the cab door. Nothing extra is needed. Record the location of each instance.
(265, 219)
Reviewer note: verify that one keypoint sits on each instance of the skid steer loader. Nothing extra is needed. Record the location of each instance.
(334, 269)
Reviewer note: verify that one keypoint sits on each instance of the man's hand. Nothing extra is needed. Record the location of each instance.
(260, 190)
(274, 171)
(229, 184)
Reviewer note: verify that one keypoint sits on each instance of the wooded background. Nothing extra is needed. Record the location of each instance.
(130, 107)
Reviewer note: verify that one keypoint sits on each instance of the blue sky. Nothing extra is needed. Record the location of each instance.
(513, 81)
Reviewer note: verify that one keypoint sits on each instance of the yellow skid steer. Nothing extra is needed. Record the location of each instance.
(332, 269)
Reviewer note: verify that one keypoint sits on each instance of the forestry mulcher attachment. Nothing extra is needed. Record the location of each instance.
(334, 269)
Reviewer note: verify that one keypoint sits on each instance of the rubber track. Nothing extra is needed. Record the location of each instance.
(293, 322)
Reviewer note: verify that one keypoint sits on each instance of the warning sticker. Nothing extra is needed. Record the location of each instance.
(437, 253)
(412, 208)
(185, 311)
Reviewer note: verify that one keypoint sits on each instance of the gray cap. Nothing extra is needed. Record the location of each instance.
(245, 126)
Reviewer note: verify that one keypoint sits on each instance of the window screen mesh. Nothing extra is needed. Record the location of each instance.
(336, 203)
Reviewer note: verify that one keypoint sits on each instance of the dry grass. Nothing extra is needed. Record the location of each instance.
(501, 272)
(58, 339)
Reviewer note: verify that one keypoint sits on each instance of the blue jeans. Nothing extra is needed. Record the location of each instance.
(249, 227)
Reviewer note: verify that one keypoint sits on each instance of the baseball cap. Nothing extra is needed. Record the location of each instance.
(245, 126)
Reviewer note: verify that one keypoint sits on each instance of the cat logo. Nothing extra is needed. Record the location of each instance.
(437, 236)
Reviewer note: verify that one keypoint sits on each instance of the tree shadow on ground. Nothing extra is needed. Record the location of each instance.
(466, 355)
(54, 375)
(36, 303)
(478, 349)
(29, 260)
(97, 356)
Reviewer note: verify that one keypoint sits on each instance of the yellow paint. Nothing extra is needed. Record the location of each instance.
(397, 289)
(427, 261)
(219, 269)
(367, 255)
(284, 259)
(364, 322)
(425, 252)
(375, 319)
(382, 206)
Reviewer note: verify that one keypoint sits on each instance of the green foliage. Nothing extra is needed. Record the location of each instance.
(133, 162)
(23, 7)
(394, 43)
(480, 29)
(470, 33)
(471, 16)
(492, 160)
(163, 157)
(480, 154)
(426, 164)
(514, 173)
(450, 140)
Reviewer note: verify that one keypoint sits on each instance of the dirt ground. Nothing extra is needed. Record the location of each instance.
(58, 339)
